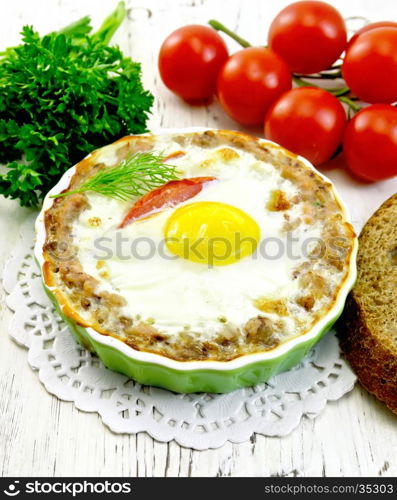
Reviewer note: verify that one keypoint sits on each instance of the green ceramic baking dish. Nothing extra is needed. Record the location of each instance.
(196, 376)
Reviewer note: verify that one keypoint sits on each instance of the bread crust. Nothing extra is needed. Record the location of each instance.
(372, 355)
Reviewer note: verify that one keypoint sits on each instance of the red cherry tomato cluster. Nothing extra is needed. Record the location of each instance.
(254, 85)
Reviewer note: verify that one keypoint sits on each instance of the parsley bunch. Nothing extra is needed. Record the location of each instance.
(61, 96)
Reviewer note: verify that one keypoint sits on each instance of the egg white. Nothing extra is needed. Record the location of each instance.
(174, 293)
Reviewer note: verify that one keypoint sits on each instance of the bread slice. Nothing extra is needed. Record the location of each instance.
(368, 327)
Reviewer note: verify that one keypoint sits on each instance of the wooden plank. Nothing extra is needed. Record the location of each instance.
(41, 436)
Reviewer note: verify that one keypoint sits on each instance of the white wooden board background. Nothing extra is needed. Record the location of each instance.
(42, 436)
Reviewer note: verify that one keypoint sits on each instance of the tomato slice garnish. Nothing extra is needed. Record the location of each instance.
(169, 195)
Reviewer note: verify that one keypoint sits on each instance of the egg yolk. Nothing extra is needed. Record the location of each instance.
(211, 233)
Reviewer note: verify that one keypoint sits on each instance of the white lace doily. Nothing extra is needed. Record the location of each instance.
(198, 421)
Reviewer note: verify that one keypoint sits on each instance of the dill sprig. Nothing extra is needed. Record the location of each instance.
(135, 176)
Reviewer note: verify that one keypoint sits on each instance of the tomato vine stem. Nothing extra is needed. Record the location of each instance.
(354, 106)
(322, 75)
(221, 27)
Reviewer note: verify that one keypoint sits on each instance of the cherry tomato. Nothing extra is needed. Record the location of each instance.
(189, 61)
(250, 81)
(371, 26)
(307, 121)
(308, 35)
(370, 65)
(370, 143)
(170, 194)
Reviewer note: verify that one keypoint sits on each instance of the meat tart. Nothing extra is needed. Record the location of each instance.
(212, 322)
